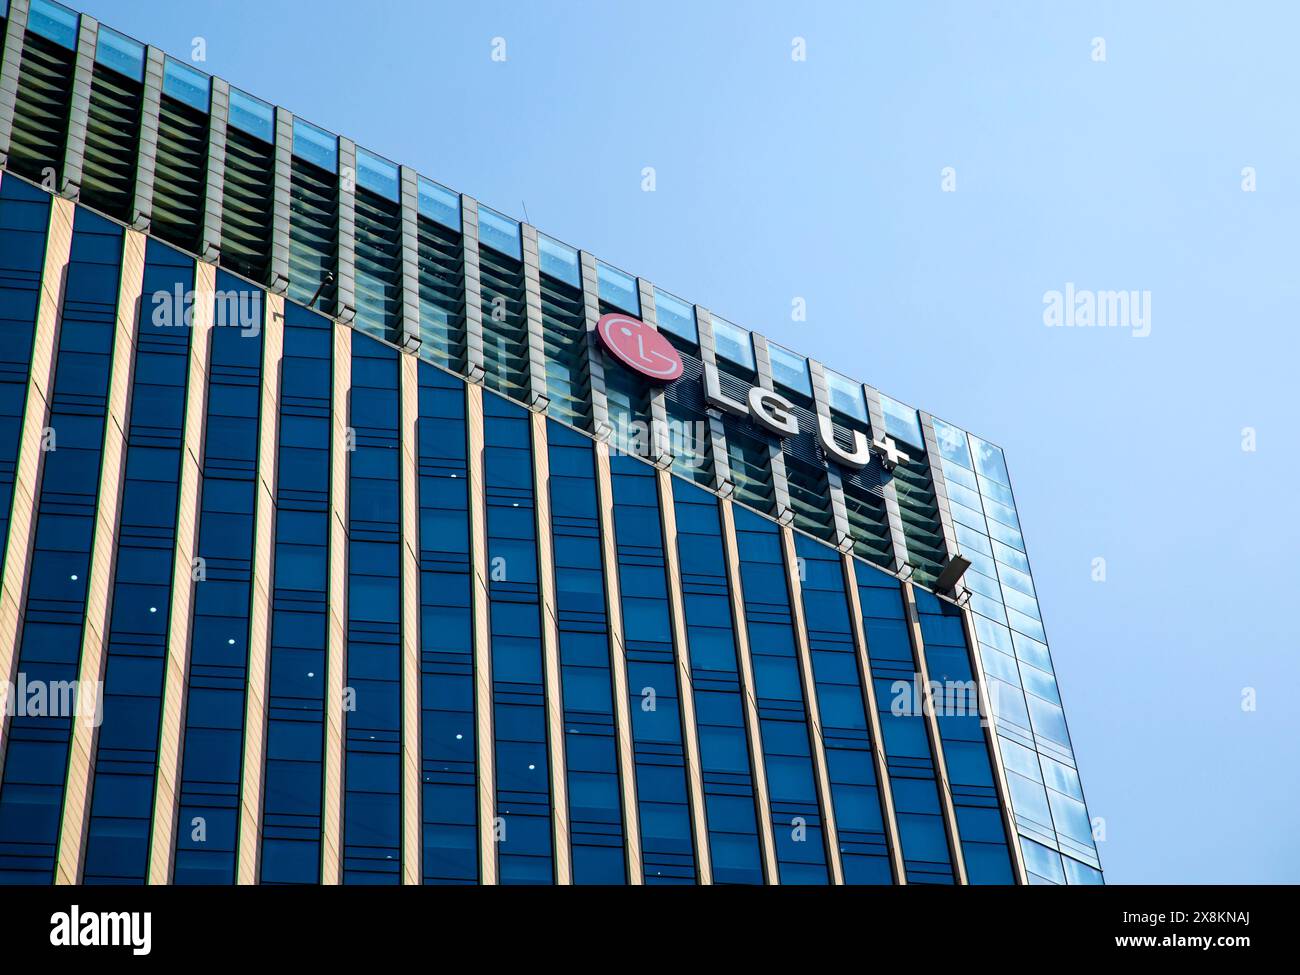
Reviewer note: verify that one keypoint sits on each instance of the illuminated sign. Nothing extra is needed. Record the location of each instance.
(775, 414)
(641, 348)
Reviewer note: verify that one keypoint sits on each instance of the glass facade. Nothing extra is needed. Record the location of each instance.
(614, 664)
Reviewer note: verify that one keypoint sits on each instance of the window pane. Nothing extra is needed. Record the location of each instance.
(378, 175)
(499, 232)
(121, 53)
(676, 316)
(733, 343)
(439, 203)
(789, 370)
(186, 84)
(315, 145)
(252, 115)
(558, 260)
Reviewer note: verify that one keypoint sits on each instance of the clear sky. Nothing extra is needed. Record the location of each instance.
(823, 179)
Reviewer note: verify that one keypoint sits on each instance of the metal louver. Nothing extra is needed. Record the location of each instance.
(568, 381)
(442, 294)
(378, 265)
(313, 231)
(921, 525)
(505, 330)
(751, 469)
(112, 134)
(180, 175)
(41, 108)
(247, 205)
(869, 526)
(810, 498)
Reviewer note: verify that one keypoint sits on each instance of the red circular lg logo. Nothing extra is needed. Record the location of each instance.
(639, 347)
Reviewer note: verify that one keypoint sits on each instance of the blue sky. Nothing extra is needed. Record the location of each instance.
(821, 179)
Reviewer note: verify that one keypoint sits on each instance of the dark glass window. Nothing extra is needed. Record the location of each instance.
(903, 727)
(965, 750)
(49, 651)
(208, 820)
(117, 842)
(448, 750)
(591, 755)
(845, 730)
(523, 793)
(24, 220)
(719, 702)
(783, 718)
(668, 853)
(372, 812)
(296, 700)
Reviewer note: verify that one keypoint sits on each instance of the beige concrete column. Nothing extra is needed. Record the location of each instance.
(487, 805)
(412, 827)
(618, 669)
(685, 686)
(820, 769)
(249, 842)
(103, 562)
(167, 782)
(550, 651)
(731, 553)
(936, 742)
(873, 719)
(336, 647)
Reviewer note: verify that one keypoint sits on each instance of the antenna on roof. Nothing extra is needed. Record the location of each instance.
(527, 218)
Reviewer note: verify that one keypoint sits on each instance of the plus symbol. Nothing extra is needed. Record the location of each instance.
(890, 455)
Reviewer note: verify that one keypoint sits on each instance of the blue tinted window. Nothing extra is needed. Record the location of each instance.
(186, 84)
(252, 115)
(901, 421)
(952, 443)
(24, 216)
(989, 462)
(315, 145)
(448, 753)
(378, 175)
(119, 52)
(36, 757)
(668, 853)
(296, 702)
(372, 813)
(846, 396)
(591, 755)
(523, 794)
(783, 718)
(907, 746)
(618, 288)
(845, 728)
(789, 370)
(439, 203)
(136, 652)
(961, 730)
(676, 316)
(54, 22)
(214, 710)
(559, 260)
(733, 343)
(499, 232)
(719, 703)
